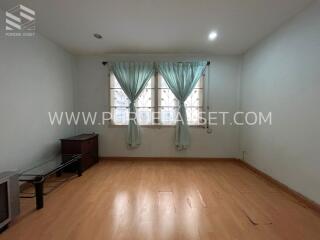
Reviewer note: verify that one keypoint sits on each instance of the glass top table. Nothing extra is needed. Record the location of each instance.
(38, 174)
(50, 167)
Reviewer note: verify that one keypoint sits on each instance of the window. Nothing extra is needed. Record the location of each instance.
(168, 104)
(156, 97)
(119, 103)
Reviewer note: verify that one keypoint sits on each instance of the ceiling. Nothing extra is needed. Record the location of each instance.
(159, 26)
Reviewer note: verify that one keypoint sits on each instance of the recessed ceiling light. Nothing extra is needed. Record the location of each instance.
(212, 35)
(97, 36)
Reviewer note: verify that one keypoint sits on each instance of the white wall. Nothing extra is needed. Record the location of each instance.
(35, 77)
(92, 95)
(282, 75)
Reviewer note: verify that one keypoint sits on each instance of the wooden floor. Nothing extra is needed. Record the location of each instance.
(166, 200)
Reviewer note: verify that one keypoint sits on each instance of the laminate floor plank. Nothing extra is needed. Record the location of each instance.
(165, 200)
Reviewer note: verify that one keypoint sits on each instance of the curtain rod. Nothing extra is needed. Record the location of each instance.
(105, 63)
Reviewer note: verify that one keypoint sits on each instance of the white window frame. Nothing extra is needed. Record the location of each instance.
(156, 107)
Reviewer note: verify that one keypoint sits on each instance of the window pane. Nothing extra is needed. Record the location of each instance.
(168, 115)
(144, 116)
(120, 115)
(118, 98)
(195, 98)
(167, 99)
(113, 81)
(168, 104)
(150, 83)
(162, 82)
(120, 103)
(145, 99)
(199, 83)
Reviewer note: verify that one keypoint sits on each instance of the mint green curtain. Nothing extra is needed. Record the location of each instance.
(181, 79)
(132, 77)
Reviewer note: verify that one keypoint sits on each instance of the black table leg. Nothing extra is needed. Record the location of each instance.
(38, 185)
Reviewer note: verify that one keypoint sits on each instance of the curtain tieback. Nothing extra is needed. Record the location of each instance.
(132, 114)
(131, 104)
(181, 104)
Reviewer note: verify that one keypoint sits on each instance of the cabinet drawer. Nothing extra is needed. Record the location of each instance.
(87, 146)
(70, 147)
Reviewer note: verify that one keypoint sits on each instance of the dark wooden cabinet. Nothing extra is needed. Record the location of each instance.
(85, 144)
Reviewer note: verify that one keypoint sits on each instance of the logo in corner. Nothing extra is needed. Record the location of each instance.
(20, 21)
